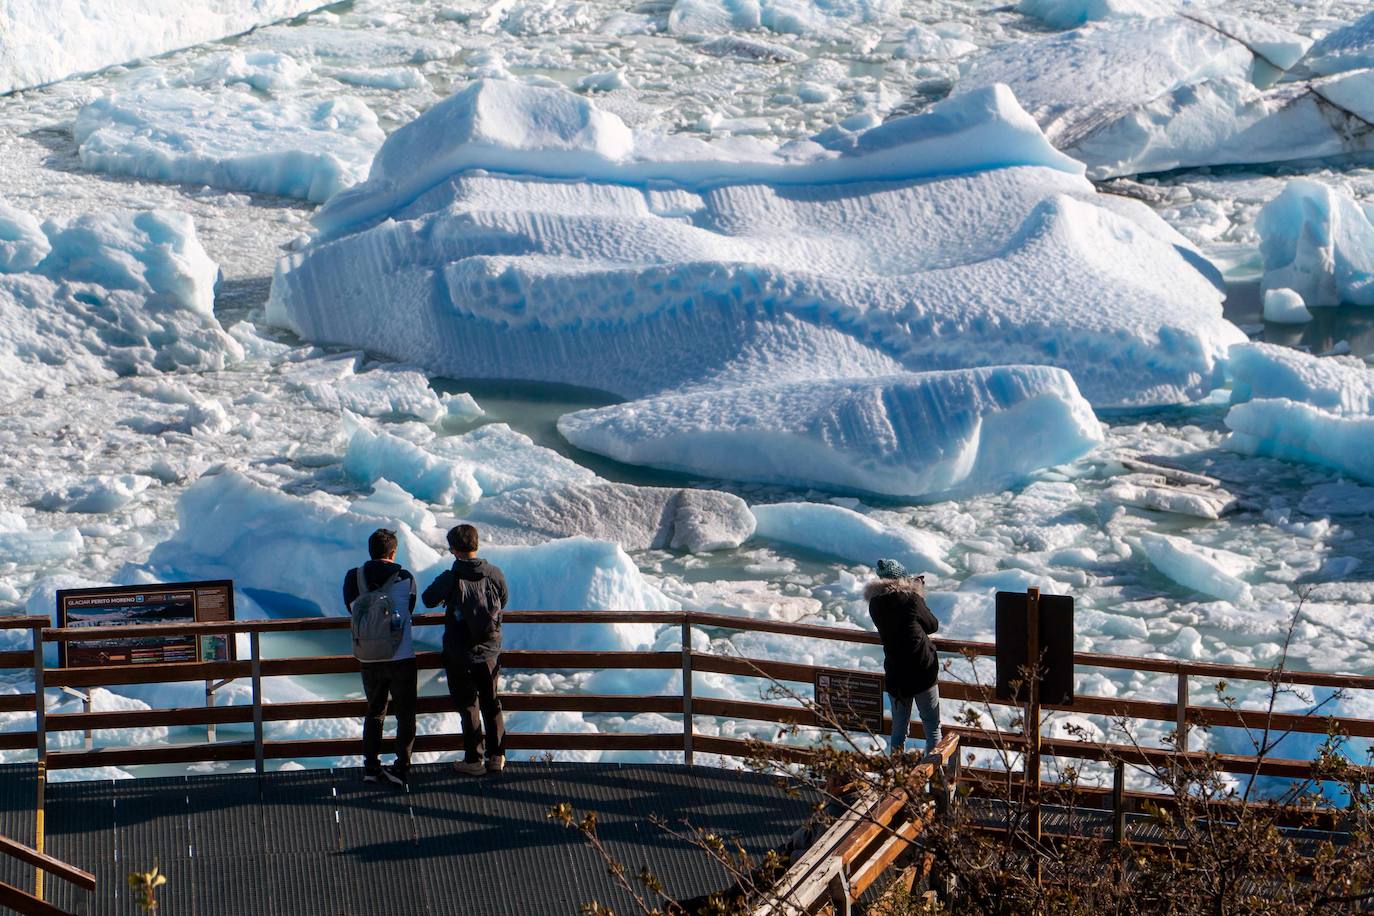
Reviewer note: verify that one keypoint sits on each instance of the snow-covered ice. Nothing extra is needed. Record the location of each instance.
(1339, 385)
(912, 436)
(230, 139)
(847, 534)
(1215, 572)
(1318, 243)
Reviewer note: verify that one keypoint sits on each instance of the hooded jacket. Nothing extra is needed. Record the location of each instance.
(473, 593)
(904, 621)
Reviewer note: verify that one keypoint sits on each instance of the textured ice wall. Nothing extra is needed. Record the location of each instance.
(636, 263)
(42, 41)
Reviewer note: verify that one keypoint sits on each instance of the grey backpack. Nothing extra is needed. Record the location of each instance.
(377, 625)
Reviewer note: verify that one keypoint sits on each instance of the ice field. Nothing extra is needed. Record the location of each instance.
(700, 304)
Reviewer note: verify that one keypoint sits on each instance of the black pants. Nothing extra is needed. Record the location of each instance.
(473, 687)
(394, 681)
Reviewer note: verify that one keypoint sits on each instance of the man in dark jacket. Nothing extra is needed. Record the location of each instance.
(473, 594)
(390, 681)
(897, 604)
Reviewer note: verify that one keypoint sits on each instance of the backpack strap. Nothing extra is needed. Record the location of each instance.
(362, 582)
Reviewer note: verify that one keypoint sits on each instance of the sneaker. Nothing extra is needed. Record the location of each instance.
(469, 767)
(496, 764)
(394, 776)
(371, 775)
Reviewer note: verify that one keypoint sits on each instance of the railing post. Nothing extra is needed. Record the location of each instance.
(1119, 802)
(210, 702)
(40, 701)
(1181, 728)
(688, 725)
(255, 654)
(1032, 728)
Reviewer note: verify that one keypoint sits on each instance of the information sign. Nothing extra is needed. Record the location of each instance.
(146, 605)
(854, 699)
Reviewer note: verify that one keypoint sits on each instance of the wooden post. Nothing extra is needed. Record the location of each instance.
(1032, 729)
(255, 654)
(1118, 802)
(688, 725)
(1181, 728)
(40, 737)
(209, 702)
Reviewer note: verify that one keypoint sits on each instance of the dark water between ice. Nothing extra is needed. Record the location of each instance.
(1324, 333)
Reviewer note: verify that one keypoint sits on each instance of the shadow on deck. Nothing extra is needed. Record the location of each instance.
(323, 842)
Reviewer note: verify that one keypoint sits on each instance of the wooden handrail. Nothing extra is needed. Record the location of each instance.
(15, 850)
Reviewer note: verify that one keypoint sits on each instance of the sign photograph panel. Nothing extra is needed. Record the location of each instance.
(133, 606)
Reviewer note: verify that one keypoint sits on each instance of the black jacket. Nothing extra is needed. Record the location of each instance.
(473, 594)
(899, 611)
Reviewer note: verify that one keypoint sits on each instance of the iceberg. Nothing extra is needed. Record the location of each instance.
(1069, 14)
(390, 391)
(229, 139)
(95, 296)
(1293, 431)
(42, 41)
(373, 455)
(1318, 243)
(849, 535)
(636, 263)
(909, 436)
(1348, 48)
(1337, 385)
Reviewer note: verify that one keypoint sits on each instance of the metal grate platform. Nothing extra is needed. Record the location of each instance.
(323, 842)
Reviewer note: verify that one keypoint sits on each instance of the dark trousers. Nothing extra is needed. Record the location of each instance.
(473, 688)
(393, 681)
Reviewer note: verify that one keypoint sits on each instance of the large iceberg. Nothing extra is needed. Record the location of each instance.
(230, 139)
(1193, 89)
(1319, 243)
(910, 436)
(1261, 371)
(94, 296)
(42, 41)
(634, 262)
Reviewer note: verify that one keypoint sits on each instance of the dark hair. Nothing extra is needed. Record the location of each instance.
(381, 544)
(463, 538)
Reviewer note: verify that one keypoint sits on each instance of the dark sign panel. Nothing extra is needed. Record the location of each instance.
(146, 605)
(1056, 648)
(853, 699)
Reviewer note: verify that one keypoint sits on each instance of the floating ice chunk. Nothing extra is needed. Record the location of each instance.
(1339, 498)
(95, 494)
(394, 392)
(42, 41)
(910, 436)
(746, 48)
(229, 139)
(265, 71)
(391, 501)
(385, 78)
(502, 459)
(118, 293)
(1347, 48)
(922, 43)
(1283, 306)
(255, 344)
(23, 246)
(373, 455)
(1149, 492)
(21, 544)
(636, 518)
(1337, 385)
(1069, 14)
(1208, 570)
(846, 534)
(795, 17)
(460, 408)
(1280, 428)
(1319, 243)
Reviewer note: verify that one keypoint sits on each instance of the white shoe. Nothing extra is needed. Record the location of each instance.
(496, 764)
(469, 768)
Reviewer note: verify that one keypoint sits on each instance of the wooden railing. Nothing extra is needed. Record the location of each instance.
(33, 904)
(1182, 714)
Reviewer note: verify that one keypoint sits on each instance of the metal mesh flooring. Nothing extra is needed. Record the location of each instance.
(323, 842)
(18, 795)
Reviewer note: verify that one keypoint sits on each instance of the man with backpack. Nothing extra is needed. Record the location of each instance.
(380, 597)
(473, 593)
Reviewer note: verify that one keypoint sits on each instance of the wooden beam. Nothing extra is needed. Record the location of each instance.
(71, 873)
(27, 904)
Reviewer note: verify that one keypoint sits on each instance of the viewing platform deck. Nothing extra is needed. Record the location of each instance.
(323, 842)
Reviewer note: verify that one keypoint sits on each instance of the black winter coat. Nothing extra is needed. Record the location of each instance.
(473, 594)
(899, 611)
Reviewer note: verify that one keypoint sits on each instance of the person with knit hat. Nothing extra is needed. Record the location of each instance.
(897, 604)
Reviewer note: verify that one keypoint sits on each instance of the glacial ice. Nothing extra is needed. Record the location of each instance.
(1319, 243)
(912, 436)
(46, 40)
(849, 535)
(265, 71)
(1348, 48)
(1069, 14)
(95, 494)
(1292, 431)
(375, 454)
(390, 391)
(229, 139)
(1210, 570)
(111, 294)
(633, 262)
(1284, 306)
(1337, 385)
(1135, 96)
